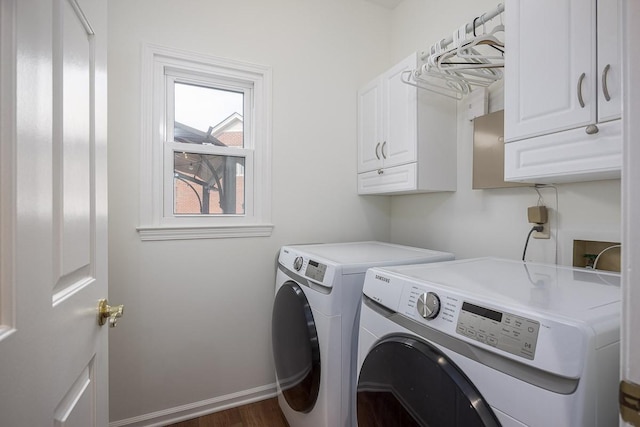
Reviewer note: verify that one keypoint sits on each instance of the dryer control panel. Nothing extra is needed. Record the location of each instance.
(315, 270)
(509, 332)
(514, 334)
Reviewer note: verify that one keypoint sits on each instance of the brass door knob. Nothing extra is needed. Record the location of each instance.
(112, 313)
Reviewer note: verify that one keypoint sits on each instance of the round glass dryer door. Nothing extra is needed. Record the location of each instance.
(295, 348)
(406, 382)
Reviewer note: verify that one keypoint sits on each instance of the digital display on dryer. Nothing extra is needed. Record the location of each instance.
(481, 311)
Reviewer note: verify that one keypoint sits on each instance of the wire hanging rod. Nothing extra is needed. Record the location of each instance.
(471, 26)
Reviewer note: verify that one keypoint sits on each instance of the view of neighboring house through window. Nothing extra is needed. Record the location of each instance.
(208, 117)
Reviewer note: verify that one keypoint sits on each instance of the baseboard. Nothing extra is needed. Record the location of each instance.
(198, 409)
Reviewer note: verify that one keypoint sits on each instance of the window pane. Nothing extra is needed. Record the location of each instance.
(208, 184)
(206, 115)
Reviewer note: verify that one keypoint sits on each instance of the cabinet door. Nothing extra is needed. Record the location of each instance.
(609, 54)
(549, 66)
(370, 126)
(400, 115)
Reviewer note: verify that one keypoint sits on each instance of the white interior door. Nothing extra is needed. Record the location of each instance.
(53, 213)
(630, 339)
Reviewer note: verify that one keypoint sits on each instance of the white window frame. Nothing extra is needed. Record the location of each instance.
(161, 67)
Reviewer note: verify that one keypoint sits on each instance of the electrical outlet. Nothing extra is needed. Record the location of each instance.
(544, 234)
(538, 215)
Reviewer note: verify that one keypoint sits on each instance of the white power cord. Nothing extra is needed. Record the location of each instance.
(595, 262)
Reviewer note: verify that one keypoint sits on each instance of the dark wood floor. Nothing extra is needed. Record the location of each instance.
(265, 413)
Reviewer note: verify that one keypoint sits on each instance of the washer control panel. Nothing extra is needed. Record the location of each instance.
(315, 270)
(320, 273)
(513, 334)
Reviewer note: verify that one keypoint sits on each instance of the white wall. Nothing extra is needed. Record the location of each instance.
(198, 313)
(473, 223)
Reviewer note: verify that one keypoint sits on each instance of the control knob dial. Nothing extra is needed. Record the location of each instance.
(297, 263)
(428, 305)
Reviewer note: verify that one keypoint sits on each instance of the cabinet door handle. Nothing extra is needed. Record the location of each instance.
(605, 89)
(580, 80)
(384, 156)
(377, 154)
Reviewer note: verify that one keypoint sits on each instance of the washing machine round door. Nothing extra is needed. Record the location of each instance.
(295, 348)
(408, 382)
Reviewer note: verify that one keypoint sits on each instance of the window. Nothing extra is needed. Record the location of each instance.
(206, 147)
(205, 126)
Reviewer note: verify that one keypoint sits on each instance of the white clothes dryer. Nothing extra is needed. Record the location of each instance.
(488, 342)
(314, 325)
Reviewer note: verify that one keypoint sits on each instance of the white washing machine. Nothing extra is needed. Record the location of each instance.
(488, 342)
(314, 325)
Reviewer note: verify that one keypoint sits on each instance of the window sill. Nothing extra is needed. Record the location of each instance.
(204, 232)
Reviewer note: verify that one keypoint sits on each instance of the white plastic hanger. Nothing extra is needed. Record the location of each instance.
(452, 66)
(408, 77)
(469, 50)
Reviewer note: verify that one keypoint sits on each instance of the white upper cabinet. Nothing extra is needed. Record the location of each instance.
(399, 117)
(387, 111)
(406, 136)
(562, 90)
(609, 61)
(550, 66)
(370, 126)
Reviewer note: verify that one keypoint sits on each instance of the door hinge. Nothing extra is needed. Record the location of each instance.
(629, 399)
